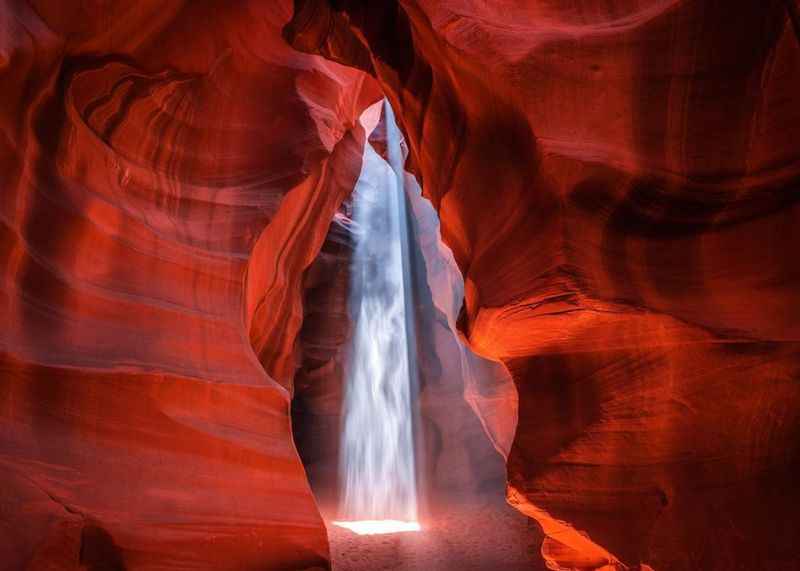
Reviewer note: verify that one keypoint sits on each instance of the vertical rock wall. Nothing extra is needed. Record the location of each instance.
(167, 172)
(618, 182)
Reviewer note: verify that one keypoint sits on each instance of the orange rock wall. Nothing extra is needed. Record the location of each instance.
(168, 171)
(617, 179)
(618, 182)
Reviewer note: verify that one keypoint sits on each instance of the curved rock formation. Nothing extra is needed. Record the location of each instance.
(618, 182)
(169, 170)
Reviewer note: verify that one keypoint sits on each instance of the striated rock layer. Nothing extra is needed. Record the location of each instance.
(617, 180)
(619, 184)
(167, 173)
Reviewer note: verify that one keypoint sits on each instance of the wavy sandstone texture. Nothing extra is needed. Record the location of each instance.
(618, 181)
(168, 172)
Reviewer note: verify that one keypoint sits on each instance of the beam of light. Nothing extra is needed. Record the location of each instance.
(378, 478)
(379, 527)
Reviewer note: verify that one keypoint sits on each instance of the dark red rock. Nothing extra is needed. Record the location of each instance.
(618, 183)
(169, 171)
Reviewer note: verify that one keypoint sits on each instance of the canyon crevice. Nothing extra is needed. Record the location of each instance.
(618, 184)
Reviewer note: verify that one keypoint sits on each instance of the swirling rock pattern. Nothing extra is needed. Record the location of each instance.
(618, 182)
(169, 171)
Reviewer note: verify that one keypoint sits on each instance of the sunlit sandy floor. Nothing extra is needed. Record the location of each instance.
(491, 537)
(379, 527)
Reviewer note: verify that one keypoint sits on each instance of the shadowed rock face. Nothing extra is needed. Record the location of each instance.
(618, 182)
(169, 170)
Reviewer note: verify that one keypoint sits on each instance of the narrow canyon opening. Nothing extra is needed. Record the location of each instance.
(619, 181)
(377, 468)
(400, 426)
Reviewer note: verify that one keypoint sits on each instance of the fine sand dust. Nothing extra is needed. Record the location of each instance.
(491, 536)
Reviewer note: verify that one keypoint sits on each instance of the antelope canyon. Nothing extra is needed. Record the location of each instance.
(436, 285)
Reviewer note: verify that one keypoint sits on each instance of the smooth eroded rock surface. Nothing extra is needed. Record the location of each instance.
(618, 182)
(169, 171)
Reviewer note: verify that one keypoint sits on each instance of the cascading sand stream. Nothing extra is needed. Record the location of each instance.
(379, 492)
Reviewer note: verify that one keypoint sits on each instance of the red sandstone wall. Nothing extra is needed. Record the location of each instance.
(618, 182)
(167, 172)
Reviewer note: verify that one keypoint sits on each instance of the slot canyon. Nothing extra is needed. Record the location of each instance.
(518, 276)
